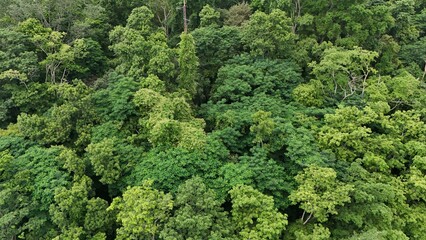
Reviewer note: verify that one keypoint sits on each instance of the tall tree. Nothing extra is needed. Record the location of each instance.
(345, 72)
(188, 65)
(141, 48)
(209, 17)
(18, 68)
(269, 35)
(197, 215)
(141, 212)
(319, 193)
(254, 216)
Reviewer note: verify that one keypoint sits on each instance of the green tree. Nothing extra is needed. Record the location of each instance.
(238, 14)
(72, 162)
(254, 215)
(60, 59)
(244, 76)
(319, 232)
(264, 174)
(75, 214)
(77, 18)
(167, 120)
(352, 134)
(263, 127)
(214, 46)
(56, 127)
(114, 101)
(140, 47)
(28, 182)
(188, 65)
(349, 23)
(344, 72)
(198, 214)
(209, 17)
(378, 203)
(104, 163)
(413, 56)
(89, 55)
(18, 68)
(309, 94)
(165, 13)
(269, 35)
(319, 192)
(268, 6)
(141, 212)
(377, 234)
(171, 167)
(404, 13)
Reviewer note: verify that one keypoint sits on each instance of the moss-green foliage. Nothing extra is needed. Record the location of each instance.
(209, 16)
(254, 215)
(188, 64)
(28, 185)
(198, 214)
(238, 14)
(18, 68)
(269, 35)
(74, 207)
(141, 211)
(319, 192)
(301, 119)
(171, 168)
(141, 47)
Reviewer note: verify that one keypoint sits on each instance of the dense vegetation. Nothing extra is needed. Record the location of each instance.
(285, 119)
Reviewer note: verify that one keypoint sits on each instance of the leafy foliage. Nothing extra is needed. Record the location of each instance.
(269, 35)
(254, 215)
(281, 119)
(141, 211)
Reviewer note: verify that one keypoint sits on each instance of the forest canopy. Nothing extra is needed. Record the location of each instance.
(175, 119)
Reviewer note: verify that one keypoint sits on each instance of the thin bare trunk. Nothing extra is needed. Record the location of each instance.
(335, 83)
(296, 14)
(165, 22)
(307, 220)
(63, 75)
(364, 80)
(185, 22)
(26, 86)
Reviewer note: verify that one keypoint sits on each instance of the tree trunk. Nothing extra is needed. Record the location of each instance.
(307, 220)
(185, 22)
